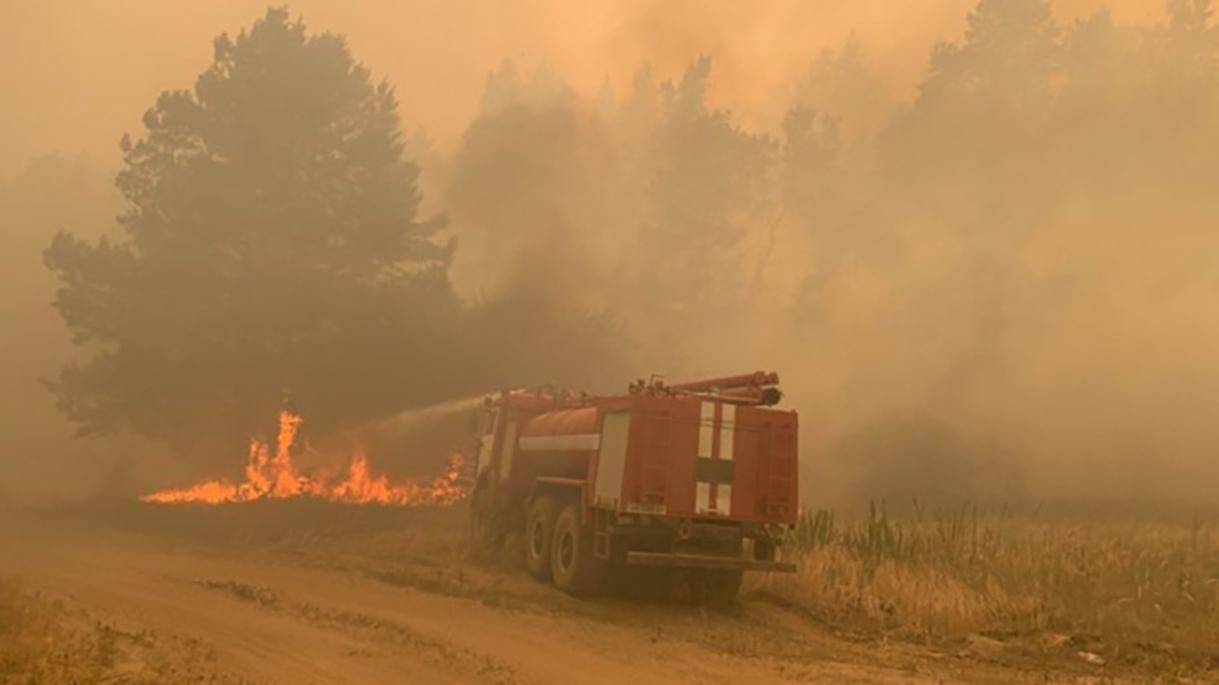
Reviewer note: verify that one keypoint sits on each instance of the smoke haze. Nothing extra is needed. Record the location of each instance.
(112, 59)
(990, 274)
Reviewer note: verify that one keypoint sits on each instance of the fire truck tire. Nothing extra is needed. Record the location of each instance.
(539, 536)
(717, 588)
(575, 569)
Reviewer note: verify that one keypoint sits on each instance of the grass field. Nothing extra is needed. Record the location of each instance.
(27, 628)
(40, 643)
(1099, 587)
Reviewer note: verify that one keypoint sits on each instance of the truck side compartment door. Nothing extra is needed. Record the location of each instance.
(611, 459)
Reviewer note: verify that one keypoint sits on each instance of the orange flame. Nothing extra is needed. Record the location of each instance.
(276, 477)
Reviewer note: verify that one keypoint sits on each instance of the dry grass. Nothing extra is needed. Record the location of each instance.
(38, 646)
(918, 600)
(1138, 593)
(27, 626)
(43, 641)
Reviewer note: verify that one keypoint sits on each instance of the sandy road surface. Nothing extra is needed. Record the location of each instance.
(208, 617)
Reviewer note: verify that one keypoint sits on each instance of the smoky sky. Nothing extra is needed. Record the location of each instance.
(79, 73)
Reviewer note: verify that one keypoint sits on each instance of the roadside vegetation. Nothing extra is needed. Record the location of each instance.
(43, 641)
(26, 627)
(1102, 590)
(38, 646)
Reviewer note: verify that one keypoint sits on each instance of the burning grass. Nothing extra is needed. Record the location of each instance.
(276, 476)
(1135, 593)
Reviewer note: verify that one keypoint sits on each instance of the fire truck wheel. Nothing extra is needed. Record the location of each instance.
(717, 588)
(576, 570)
(539, 535)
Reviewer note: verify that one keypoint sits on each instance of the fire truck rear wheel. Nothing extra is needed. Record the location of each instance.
(539, 536)
(575, 569)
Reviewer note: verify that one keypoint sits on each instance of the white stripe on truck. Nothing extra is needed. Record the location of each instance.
(560, 443)
(702, 497)
(703, 491)
(727, 430)
(706, 428)
(723, 499)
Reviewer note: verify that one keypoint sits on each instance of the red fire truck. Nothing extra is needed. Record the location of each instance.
(697, 476)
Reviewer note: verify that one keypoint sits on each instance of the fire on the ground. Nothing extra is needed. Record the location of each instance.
(276, 476)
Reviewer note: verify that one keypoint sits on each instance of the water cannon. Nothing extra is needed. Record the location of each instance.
(757, 388)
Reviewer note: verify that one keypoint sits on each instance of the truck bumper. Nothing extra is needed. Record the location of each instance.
(708, 561)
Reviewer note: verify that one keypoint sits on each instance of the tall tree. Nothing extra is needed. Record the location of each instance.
(845, 86)
(707, 180)
(983, 99)
(272, 252)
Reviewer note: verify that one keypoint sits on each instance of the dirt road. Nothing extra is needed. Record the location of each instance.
(194, 615)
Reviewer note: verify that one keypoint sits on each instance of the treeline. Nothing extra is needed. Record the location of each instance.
(1004, 285)
(1014, 271)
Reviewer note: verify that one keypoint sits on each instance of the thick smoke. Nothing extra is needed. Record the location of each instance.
(999, 287)
(984, 269)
